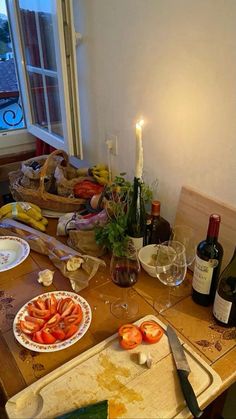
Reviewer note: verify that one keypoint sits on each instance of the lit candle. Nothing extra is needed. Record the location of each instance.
(139, 150)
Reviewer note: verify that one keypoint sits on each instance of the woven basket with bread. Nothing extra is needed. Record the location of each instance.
(40, 195)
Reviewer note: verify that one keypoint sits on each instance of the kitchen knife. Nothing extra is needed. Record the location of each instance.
(183, 372)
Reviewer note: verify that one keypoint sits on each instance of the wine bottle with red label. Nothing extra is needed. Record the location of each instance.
(207, 264)
(224, 308)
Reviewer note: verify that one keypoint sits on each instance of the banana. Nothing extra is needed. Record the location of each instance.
(21, 207)
(8, 215)
(5, 209)
(22, 217)
(101, 180)
(37, 224)
(99, 167)
(34, 206)
(44, 221)
(101, 173)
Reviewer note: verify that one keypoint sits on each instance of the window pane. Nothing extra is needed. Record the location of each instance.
(54, 105)
(30, 36)
(38, 32)
(37, 95)
(47, 40)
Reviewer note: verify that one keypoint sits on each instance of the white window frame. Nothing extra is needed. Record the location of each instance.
(69, 97)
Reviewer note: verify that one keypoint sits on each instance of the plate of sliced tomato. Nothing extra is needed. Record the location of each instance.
(52, 321)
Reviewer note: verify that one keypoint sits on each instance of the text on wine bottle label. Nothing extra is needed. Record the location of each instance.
(137, 242)
(202, 276)
(221, 309)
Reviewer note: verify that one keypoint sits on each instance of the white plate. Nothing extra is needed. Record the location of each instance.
(52, 214)
(28, 343)
(13, 251)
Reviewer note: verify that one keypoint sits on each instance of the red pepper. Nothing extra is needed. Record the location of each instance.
(86, 189)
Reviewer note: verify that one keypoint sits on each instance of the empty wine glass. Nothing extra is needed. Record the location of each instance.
(171, 268)
(124, 273)
(186, 235)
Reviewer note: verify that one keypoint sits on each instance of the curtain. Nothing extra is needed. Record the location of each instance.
(43, 148)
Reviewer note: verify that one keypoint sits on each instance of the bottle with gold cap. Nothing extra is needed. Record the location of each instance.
(158, 229)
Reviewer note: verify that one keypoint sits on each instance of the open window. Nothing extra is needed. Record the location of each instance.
(44, 44)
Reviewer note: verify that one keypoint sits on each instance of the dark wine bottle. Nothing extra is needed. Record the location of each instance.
(224, 308)
(136, 218)
(158, 229)
(207, 264)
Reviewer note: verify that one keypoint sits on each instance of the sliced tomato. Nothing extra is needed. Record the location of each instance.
(35, 320)
(36, 312)
(151, 331)
(67, 308)
(70, 331)
(64, 303)
(77, 310)
(51, 304)
(53, 321)
(58, 333)
(40, 303)
(37, 337)
(29, 327)
(129, 336)
(73, 319)
(47, 336)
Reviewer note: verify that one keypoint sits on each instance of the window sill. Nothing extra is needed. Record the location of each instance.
(16, 142)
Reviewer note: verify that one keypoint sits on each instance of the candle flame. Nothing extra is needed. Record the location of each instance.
(140, 123)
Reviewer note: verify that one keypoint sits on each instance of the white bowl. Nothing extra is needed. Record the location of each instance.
(145, 257)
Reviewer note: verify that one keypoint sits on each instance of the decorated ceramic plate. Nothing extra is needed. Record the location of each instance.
(13, 251)
(64, 297)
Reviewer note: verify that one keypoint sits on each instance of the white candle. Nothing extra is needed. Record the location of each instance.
(139, 150)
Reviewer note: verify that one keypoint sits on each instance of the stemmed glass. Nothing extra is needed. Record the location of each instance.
(185, 235)
(124, 273)
(171, 268)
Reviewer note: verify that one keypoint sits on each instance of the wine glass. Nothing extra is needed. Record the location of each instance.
(171, 268)
(124, 273)
(185, 235)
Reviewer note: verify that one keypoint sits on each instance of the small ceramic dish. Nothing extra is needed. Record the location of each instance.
(147, 258)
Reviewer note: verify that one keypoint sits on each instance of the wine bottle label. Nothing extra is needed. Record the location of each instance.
(202, 276)
(137, 242)
(221, 309)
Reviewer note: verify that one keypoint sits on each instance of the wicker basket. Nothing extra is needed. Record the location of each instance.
(40, 196)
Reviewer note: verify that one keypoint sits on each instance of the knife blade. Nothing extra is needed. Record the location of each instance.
(183, 371)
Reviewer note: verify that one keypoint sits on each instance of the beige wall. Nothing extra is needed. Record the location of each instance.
(174, 63)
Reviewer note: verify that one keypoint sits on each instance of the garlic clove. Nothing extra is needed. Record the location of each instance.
(149, 360)
(142, 358)
(45, 277)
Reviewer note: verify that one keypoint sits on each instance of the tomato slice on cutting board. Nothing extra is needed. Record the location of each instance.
(151, 331)
(129, 336)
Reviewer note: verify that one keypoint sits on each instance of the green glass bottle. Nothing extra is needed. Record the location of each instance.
(136, 219)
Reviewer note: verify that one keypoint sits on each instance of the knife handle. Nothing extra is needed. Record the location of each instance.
(189, 394)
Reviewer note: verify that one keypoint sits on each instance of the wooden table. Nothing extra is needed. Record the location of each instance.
(20, 367)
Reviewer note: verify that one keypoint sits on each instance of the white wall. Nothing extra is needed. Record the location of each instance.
(173, 62)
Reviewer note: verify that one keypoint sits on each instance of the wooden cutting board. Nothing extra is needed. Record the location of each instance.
(194, 209)
(108, 372)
